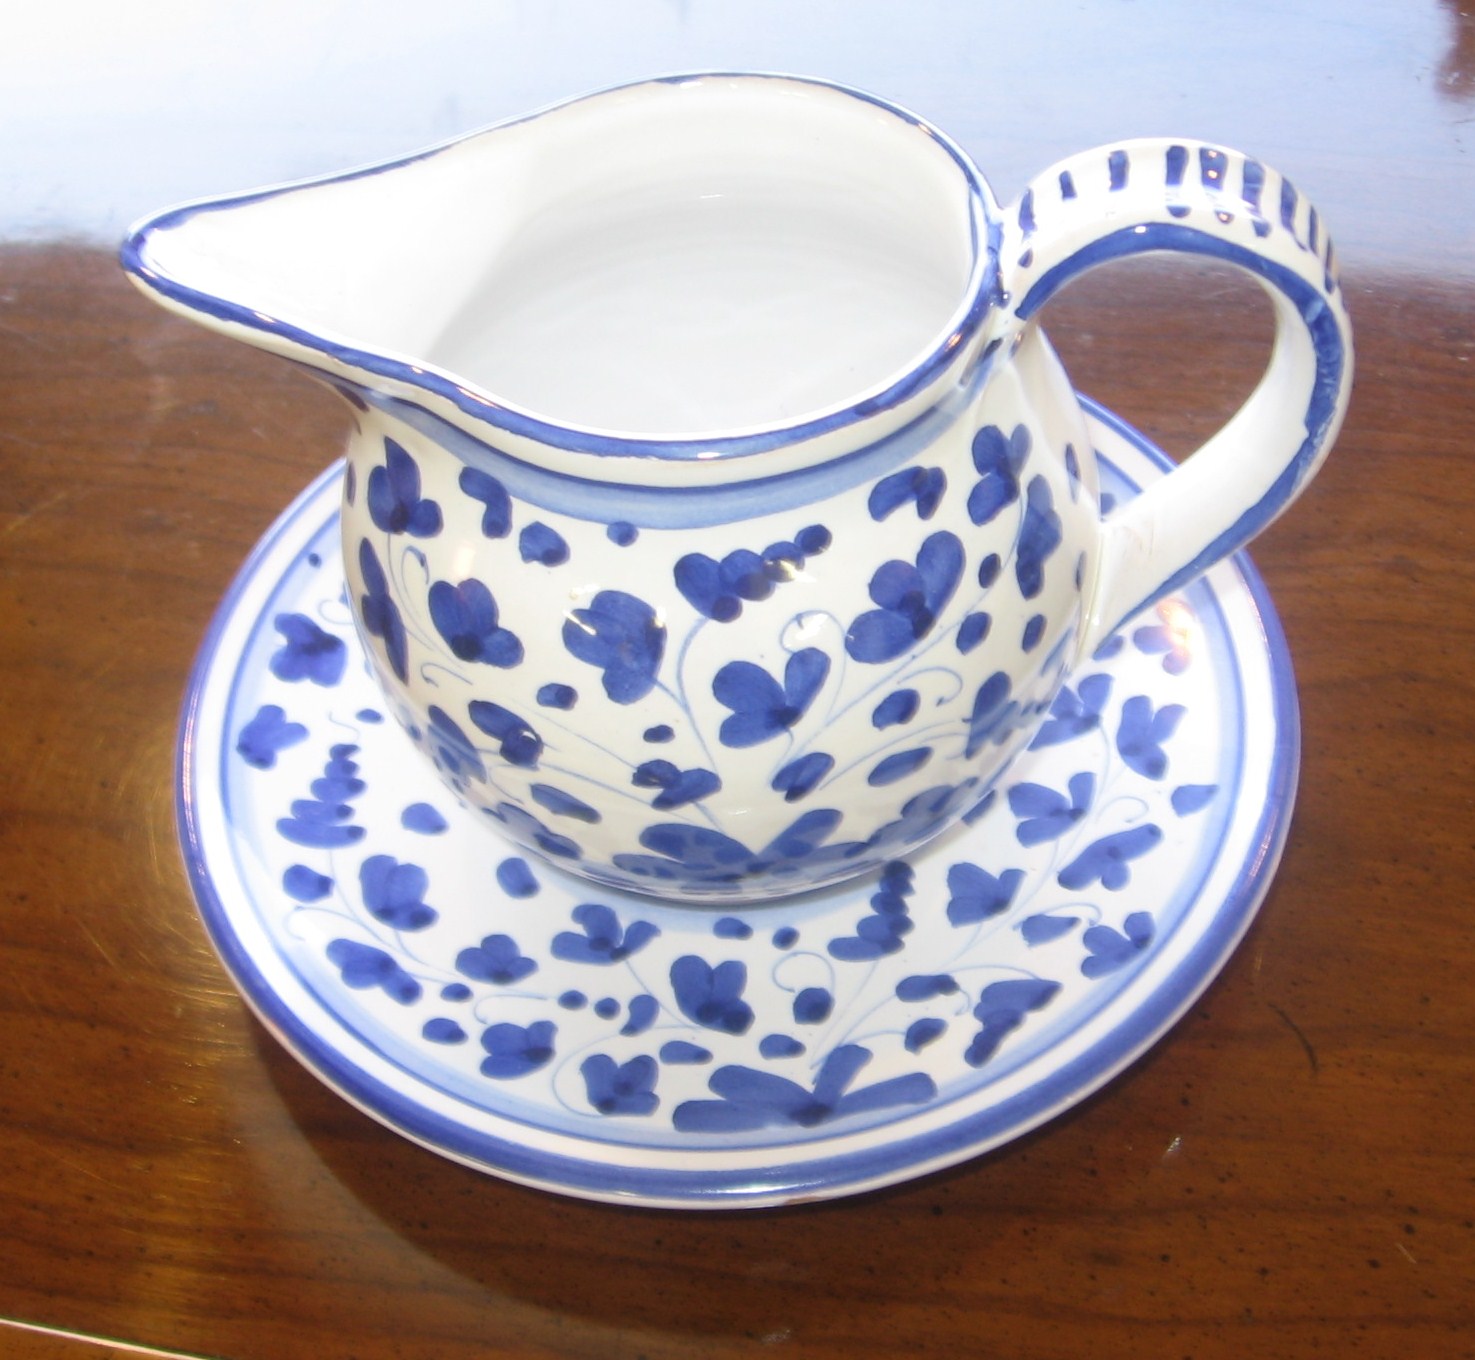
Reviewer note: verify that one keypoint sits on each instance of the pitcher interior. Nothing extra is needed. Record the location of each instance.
(712, 258)
(697, 256)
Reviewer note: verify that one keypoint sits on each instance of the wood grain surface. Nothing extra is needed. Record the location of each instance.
(1290, 1173)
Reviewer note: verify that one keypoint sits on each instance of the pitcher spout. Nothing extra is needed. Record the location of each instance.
(658, 273)
(335, 273)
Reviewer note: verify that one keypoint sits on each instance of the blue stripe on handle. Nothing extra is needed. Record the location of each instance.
(1321, 323)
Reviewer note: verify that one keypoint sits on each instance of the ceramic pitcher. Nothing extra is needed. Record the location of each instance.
(716, 516)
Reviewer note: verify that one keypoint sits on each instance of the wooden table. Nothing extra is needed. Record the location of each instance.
(1290, 1173)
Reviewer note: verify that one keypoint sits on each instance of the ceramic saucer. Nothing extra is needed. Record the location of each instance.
(607, 1045)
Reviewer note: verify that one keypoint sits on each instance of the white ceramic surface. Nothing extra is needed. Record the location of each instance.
(718, 520)
(612, 1046)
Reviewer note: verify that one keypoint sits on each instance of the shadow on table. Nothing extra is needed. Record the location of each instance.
(977, 1236)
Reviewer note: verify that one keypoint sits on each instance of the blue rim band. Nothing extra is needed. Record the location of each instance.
(975, 304)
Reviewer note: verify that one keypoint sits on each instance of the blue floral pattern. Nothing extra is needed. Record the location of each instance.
(761, 707)
(477, 578)
(621, 636)
(395, 503)
(650, 1012)
(513, 987)
(466, 617)
(308, 652)
(909, 597)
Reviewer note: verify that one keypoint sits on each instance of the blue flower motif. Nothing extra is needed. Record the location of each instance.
(629, 1088)
(323, 821)
(424, 819)
(466, 617)
(496, 959)
(813, 540)
(642, 1015)
(993, 714)
(451, 748)
(925, 986)
(921, 815)
(1187, 798)
(514, 1050)
(302, 884)
(523, 826)
(496, 515)
(924, 486)
(563, 804)
(750, 1099)
(760, 707)
(515, 878)
(1074, 712)
(778, 1046)
(1112, 949)
(556, 695)
(897, 766)
(922, 1032)
(677, 786)
(440, 1030)
(308, 653)
(539, 543)
(266, 734)
(800, 777)
(973, 630)
(909, 599)
(1141, 734)
(900, 706)
(1002, 1007)
(717, 589)
(813, 1005)
(519, 744)
(1106, 859)
(394, 893)
(975, 894)
(712, 997)
(700, 856)
(380, 614)
(682, 1051)
(1039, 536)
(1044, 814)
(1043, 927)
(394, 501)
(883, 931)
(1163, 638)
(620, 635)
(999, 460)
(363, 966)
(604, 939)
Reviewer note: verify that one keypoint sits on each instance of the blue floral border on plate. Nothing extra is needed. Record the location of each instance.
(789, 1177)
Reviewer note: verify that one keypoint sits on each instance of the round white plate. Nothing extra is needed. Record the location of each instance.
(510, 1016)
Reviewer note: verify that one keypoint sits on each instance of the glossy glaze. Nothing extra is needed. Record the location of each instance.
(1287, 1174)
(708, 558)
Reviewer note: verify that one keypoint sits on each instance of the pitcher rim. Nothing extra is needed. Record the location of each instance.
(976, 300)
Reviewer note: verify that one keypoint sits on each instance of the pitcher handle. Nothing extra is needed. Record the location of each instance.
(1178, 195)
